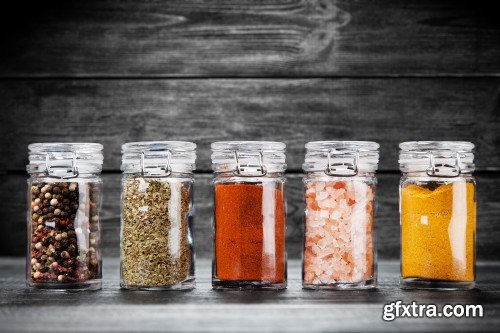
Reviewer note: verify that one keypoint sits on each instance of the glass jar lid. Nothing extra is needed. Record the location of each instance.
(158, 158)
(437, 158)
(65, 160)
(341, 158)
(248, 158)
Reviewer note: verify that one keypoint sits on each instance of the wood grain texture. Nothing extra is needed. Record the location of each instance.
(249, 38)
(13, 207)
(295, 111)
(206, 310)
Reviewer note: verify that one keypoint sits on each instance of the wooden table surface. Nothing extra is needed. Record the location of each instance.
(203, 309)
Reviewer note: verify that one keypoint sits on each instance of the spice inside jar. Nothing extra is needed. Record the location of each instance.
(437, 230)
(339, 224)
(64, 232)
(155, 246)
(250, 232)
(156, 237)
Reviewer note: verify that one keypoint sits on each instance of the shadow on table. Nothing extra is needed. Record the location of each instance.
(288, 296)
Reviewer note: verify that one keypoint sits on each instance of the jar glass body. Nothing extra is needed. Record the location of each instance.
(156, 232)
(64, 232)
(438, 227)
(339, 243)
(249, 232)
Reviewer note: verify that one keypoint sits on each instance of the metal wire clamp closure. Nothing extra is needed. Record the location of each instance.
(434, 169)
(331, 169)
(250, 171)
(167, 168)
(51, 172)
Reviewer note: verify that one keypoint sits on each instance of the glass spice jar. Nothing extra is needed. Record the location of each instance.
(339, 250)
(249, 215)
(64, 201)
(156, 217)
(438, 215)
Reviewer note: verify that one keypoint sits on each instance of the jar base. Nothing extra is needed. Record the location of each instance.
(184, 285)
(95, 284)
(361, 285)
(419, 283)
(247, 285)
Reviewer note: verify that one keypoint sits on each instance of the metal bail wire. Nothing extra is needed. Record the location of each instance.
(332, 171)
(434, 169)
(73, 170)
(167, 168)
(243, 172)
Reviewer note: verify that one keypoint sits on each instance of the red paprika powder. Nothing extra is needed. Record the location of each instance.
(250, 232)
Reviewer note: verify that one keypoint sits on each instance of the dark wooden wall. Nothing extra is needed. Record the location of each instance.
(114, 71)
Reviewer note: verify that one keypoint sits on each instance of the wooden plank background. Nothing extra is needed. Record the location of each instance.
(291, 110)
(250, 38)
(113, 71)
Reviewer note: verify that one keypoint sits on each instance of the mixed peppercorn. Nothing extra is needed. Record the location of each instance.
(64, 232)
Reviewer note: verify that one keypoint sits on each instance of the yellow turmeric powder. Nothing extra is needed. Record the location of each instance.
(438, 226)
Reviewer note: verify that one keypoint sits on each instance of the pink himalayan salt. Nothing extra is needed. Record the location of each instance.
(338, 239)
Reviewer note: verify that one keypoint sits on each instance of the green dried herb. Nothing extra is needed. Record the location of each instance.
(155, 245)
